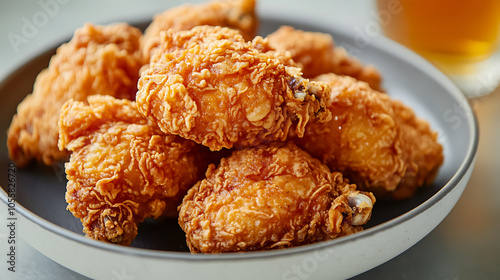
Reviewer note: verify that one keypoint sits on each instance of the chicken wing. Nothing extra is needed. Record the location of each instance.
(238, 14)
(378, 143)
(123, 169)
(317, 54)
(270, 197)
(97, 60)
(210, 86)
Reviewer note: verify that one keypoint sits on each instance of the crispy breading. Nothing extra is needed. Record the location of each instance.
(237, 14)
(377, 142)
(97, 60)
(210, 86)
(270, 197)
(316, 54)
(122, 169)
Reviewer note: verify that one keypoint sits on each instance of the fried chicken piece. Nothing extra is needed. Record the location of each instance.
(270, 197)
(237, 14)
(122, 169)
(97, 60)
(210, 86)
(316, 54)
(376, 142)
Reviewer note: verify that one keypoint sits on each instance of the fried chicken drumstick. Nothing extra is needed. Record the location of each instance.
(317, 54)
(237, 14)
(377, 142)
(270, 197)
(97, 60)
(211, 86)
(122, 169)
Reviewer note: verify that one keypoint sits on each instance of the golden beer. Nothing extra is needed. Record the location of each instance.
(444, 31)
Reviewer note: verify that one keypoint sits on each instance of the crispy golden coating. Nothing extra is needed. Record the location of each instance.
(378, 143)
(210, 86)
(122, 169)
(237, 14)
(316, 54)
(97, 60)
(270, 197)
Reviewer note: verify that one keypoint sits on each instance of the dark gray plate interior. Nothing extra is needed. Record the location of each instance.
(40, 189)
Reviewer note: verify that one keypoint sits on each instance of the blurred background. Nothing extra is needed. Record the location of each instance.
(464, 246)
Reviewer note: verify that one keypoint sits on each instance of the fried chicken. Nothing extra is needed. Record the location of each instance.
(317, 54)
(97, 60)
(237, 14)
(270, 197)
(123, 169)
(377, 142)
(210, 86)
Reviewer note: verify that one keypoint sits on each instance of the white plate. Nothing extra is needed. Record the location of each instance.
(160, 250)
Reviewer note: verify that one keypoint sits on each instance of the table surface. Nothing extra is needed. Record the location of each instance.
(464, 246)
